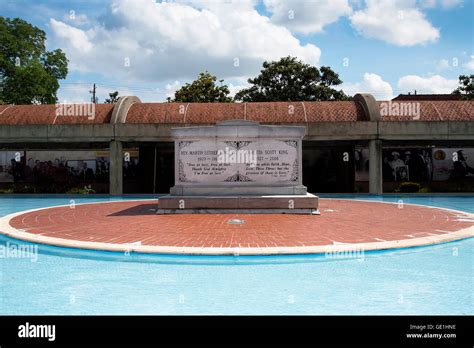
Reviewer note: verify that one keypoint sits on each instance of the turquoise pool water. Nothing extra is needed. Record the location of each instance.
(428, 280)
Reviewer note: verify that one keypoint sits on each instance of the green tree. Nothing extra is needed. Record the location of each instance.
(113, 98)
(466, 87)
(290, 79)
(28, 73)
(203, 90)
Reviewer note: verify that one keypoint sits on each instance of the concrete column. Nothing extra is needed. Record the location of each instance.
(375, 167)
(116, 169)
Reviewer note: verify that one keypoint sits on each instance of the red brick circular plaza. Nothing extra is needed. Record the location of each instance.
(118, 225)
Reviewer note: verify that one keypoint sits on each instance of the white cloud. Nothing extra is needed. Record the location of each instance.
(442, 64)
(373, 84)
(163, 41)
(233, 89)
(450, 3)
(435, 84)
(397, 22)
(218, 4)
(75, 18)
(470, 64)
(428, 3)
(171, 88)
(307, 16)
(77, 38)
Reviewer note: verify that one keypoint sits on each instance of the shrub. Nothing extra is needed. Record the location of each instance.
(410, 187)
(78, 191)
(24, 188)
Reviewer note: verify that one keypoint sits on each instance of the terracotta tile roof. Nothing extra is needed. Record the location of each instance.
(462, 110)
(184, 112)
(276, 112)
(429, 97)
(46, 114)
(335, 111)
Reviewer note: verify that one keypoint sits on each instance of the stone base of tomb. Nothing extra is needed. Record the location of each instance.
(241, 190)
(238, 204)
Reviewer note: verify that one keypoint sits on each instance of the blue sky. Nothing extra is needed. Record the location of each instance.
(149, 49)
